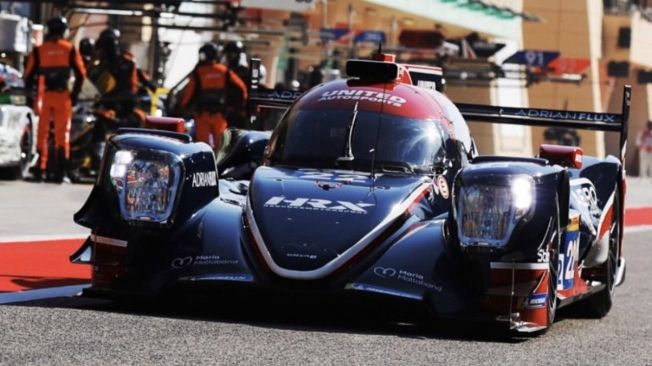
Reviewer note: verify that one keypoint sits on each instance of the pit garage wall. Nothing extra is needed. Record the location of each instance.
(639, 55)
(457, 22)
(573, 28)
(392, 18)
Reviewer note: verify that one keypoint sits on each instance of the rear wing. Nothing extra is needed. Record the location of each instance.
(264, 98)
(615, 122)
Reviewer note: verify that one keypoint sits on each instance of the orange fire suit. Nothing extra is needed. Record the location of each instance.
(52, 62)
(116, 78)
(207, 90)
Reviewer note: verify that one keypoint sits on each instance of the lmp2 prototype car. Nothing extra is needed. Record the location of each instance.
(368, 187)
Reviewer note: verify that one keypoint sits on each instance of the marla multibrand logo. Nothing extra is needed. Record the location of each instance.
(315, 204)
(204, 179)
(363, 95)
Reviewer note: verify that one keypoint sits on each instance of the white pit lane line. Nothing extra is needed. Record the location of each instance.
(637, 229)
(40, 294)
(39, 238)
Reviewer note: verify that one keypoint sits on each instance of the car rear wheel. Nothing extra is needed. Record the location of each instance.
(598, 305)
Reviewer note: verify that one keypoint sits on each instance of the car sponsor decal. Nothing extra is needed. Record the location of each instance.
(384, 272)
(363, 95)
(301, 255)
(569, 252)
(543, 256)
(578, 116)
(584, 190)
(535, 301)
(200, 260)
(405, 276)
(316, 204)
(204, 179)
(286, 95)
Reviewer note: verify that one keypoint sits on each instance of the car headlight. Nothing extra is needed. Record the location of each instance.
(147, 183)
(487, 213)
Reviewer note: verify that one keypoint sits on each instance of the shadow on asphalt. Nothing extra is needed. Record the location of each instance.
(35, 283)
(289, 315)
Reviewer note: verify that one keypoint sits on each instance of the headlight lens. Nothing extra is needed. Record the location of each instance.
(146, 183)
(487, 214)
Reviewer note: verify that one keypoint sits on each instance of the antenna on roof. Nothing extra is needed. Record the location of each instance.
(380, 48)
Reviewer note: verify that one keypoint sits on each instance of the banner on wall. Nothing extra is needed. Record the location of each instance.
(568, 65)
(532, 58)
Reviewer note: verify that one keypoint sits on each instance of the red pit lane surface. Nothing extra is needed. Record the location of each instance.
(43, 264)
(638, 216)
(40, 264)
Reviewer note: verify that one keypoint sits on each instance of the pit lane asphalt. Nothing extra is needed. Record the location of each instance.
(85, 331)
(82, 331)
(40, 209)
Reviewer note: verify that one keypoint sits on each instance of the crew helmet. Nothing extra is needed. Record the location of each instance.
(208, 52)
(57, 26)
(86, 47)
(234, 47)
(108, 41)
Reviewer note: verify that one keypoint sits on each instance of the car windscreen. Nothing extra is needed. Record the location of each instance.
(319, 138)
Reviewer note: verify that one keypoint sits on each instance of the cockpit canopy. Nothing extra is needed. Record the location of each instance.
(319, 137)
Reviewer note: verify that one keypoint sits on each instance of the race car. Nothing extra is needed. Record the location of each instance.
(18, 125)
(369, 187)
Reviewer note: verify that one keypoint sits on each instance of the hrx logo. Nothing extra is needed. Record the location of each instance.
(315, 204)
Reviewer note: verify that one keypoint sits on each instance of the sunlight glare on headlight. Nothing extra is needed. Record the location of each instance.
(522, 193)
(488, 213)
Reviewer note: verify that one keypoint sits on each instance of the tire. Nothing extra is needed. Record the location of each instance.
(553, 271)
(26, 153)
(599, 304)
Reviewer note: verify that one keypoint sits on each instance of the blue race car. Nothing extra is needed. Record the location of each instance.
(368, 187)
